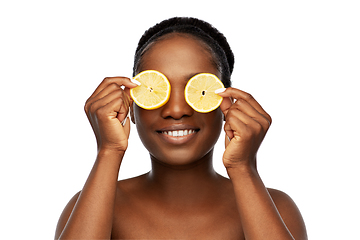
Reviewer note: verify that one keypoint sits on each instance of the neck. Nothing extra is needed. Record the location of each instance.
(183, 183)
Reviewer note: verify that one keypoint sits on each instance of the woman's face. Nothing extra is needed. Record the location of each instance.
(179, 57)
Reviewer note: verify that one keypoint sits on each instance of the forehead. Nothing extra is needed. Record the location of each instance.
(179, 55)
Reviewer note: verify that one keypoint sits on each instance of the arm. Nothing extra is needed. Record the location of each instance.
(89, 214)
(263, 215)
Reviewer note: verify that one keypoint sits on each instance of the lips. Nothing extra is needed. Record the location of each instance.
(178, 134)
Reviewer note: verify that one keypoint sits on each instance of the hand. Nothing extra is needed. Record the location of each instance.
(107, 109)
(245, 127)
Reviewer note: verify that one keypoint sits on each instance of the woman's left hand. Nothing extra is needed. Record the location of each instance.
(246, 124)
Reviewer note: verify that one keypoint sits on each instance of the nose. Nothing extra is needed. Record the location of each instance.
(176, 107)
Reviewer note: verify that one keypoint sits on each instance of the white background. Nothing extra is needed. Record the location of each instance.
(300, 60)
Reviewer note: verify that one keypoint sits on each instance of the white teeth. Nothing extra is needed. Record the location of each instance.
(179, 133)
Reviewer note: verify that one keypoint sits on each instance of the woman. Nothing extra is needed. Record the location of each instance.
(182, 197)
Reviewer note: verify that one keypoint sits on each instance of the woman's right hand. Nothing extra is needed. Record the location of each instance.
(107, 109)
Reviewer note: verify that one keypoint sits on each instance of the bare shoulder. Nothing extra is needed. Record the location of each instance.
(130, 190)
(125, 188)
(283, 201)
(132, 184)
(65, 215)
(289, 212)
(280, 196)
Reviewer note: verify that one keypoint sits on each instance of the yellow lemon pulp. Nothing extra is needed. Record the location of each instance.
(154, 90)
(200, 92)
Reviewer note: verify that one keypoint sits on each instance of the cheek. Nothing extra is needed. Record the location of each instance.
(144, 120)
(214, 125)
(141, 120)
(210, 123)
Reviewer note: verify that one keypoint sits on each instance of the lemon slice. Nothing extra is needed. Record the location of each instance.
(200, 92)
(154, 90)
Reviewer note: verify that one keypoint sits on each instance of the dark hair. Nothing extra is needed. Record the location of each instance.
(216, 41)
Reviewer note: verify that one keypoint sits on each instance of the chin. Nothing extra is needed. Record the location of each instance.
(182, 159)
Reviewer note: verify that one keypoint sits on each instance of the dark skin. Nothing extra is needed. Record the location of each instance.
(182, 197)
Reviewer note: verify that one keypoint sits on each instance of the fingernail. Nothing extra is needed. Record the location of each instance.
(124, 121)
(220, 90)
(135, 81)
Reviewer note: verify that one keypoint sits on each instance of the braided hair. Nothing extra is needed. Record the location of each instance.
(205, 32)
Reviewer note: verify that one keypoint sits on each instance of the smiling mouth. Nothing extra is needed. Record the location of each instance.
(179, 133)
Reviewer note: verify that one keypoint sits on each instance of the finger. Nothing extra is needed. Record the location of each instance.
(249, 114)
(235, 112)
(123, 112)
(227, 140)
(126, 127)
(226, 104)
(115, 109)
(110, 115)
(123, 122)
(238, 94)
(123, 116)
(120, 81)
(127, 91)
(234, 126)
(104, 92)
(117, 94)
(105, 96)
